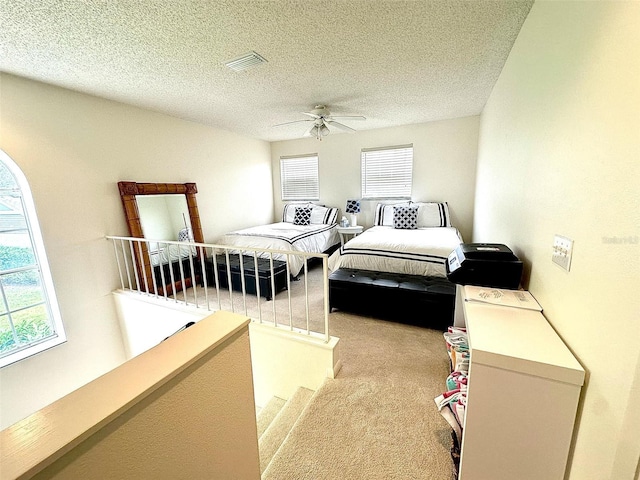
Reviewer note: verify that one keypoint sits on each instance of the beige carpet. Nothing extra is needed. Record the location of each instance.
(265, 415)
(275, 434)
(377, 419)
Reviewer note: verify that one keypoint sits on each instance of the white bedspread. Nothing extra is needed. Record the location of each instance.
(315, 238)
(168, 253)
(422, 251)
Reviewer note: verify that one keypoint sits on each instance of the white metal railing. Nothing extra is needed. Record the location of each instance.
(192, 273)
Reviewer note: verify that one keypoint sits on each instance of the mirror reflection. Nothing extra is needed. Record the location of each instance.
(165, 217)
(163, 212)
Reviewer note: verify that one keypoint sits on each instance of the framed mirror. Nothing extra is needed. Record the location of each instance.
(163, 211)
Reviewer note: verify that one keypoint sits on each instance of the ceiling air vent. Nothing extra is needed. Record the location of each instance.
(247, 60)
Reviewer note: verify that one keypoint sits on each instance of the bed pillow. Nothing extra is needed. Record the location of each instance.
(430, 214)
(302, 216)
(289, 210)
(433, 214)
(323, 215)
(384, 213)
(405, 218)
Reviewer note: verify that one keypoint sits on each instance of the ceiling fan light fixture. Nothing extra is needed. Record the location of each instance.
(247, 60)
(322, 118)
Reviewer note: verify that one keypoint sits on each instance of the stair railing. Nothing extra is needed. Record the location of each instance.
(192, 273)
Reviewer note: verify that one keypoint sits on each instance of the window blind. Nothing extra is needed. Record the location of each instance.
(387, 172)
(299, 178)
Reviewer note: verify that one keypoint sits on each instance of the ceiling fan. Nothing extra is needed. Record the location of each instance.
(322, 119)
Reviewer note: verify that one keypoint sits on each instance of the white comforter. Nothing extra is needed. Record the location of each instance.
(169, 253)
(422, 251)
(316, 238)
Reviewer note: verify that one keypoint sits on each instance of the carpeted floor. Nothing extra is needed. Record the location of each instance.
(377, 418)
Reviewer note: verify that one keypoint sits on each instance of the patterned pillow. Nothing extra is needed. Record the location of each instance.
(430, 214)
(384, 213)
(302, 216)
(405, 218)
(289, 210)
(184, 235)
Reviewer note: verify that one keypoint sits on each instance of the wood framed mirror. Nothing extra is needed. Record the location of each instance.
(131, 193)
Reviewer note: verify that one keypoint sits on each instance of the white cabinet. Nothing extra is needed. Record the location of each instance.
(524, 387)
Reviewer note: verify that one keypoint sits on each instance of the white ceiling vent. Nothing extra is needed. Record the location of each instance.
(247, 60)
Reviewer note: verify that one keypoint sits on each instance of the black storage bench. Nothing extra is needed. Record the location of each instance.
(248, 265)
(413, 299)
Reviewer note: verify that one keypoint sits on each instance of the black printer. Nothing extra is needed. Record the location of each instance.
(484, 264)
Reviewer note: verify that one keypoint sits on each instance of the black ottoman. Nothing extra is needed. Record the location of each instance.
(414, 299)
(248, 265)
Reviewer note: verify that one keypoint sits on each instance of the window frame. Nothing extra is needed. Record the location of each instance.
(50, 301)
(367, 170)
(285, 182)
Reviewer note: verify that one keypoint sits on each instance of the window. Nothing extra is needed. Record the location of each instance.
(29, 317)
(386, 172)
(299, 177)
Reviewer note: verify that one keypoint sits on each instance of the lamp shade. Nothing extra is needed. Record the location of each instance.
(353, 206)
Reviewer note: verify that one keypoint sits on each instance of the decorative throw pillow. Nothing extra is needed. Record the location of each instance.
(384, 213)
(289, 210)
(302, 216)
(184, 235)
(405, 218)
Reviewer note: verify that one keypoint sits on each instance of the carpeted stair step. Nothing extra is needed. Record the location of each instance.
(268, 413)
(273, 437)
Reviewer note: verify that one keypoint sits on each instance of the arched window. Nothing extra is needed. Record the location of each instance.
(29, 316)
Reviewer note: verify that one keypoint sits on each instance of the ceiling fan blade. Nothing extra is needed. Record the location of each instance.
(333, 123)
(308, 132)
(350, 117)
(311, 114)
(289, 123)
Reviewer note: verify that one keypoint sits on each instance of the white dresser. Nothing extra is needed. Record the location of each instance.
(524, 387)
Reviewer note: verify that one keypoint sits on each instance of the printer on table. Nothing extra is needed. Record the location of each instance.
(484, 264)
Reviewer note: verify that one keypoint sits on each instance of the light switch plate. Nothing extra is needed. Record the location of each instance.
(562, 251)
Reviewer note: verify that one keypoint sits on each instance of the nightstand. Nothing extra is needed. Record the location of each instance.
(349, 232)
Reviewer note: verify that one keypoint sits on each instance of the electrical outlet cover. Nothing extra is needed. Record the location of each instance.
(562, 251)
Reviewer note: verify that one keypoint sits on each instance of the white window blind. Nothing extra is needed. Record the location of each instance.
(299, 178)
(387, 172)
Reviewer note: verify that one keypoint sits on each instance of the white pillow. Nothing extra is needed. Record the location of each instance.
(319, 215)
(324, 215)
(433, 214)
(289, 210)
(384, 213)
(430, 214)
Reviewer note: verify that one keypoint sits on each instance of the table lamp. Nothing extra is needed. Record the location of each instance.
(353, 207)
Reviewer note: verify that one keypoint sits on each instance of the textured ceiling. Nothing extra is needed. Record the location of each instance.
(395, 62)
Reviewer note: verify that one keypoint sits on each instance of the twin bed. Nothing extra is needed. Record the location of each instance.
(313, 230)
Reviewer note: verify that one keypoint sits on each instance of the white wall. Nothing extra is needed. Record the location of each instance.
(559, 154)
(73, 148)
(283, 362)
(444, 165)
